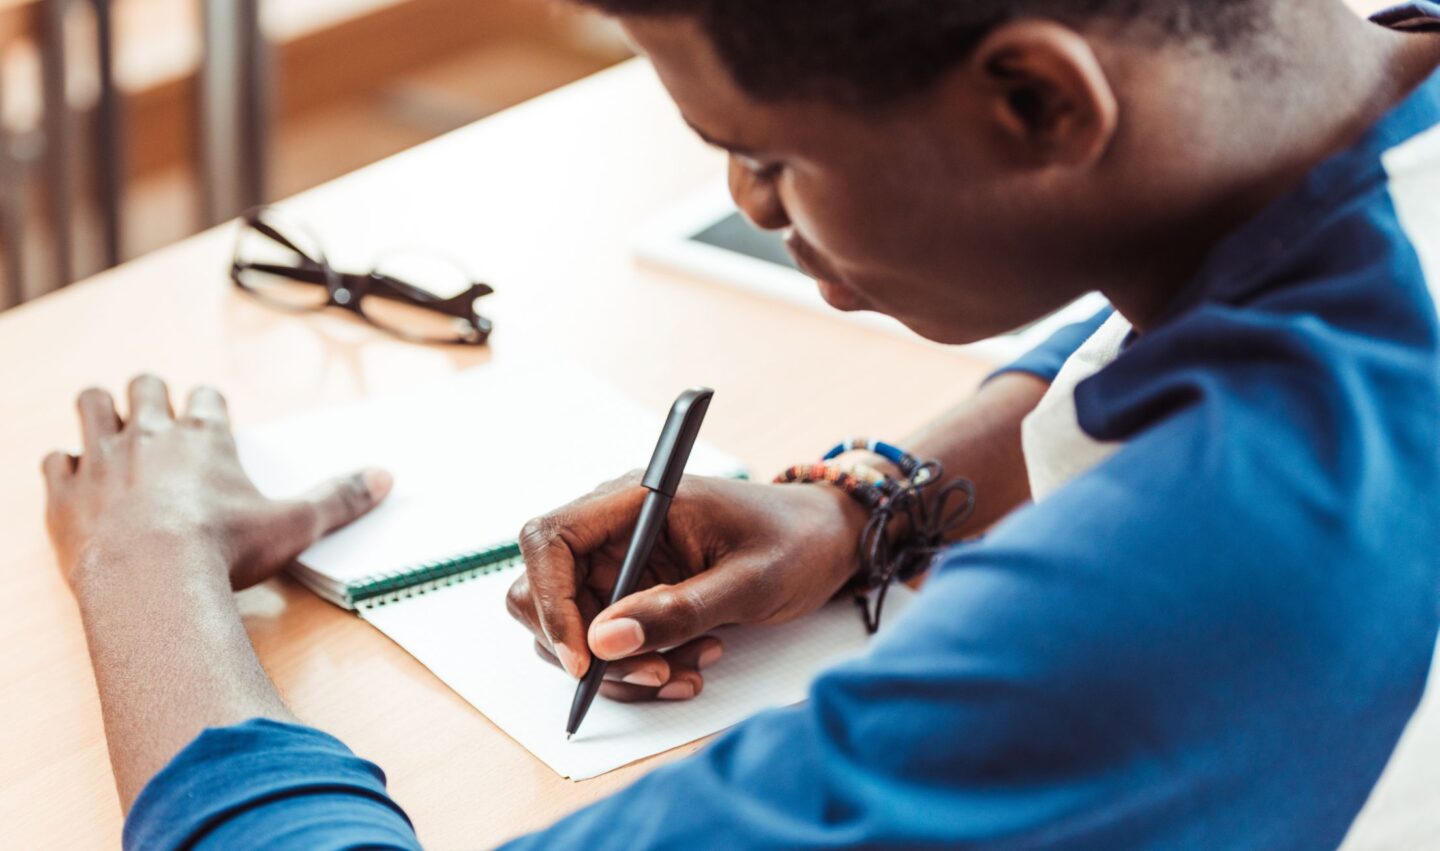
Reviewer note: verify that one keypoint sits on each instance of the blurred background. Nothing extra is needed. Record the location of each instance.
(126, 125)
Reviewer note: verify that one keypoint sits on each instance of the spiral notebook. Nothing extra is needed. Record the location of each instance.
(474, 457)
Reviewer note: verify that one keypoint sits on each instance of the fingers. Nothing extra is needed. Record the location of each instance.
(671, 615)
(295, 525)
(206, 405)
(651, 670)
(697, 655)
(98, 418)
(635, 680)
(685, 682)
(551, 545)
(58, 467)
(522, 604)
(344, 500)
(648, 669)
(150, 402)
(150, 409)
(550, 579)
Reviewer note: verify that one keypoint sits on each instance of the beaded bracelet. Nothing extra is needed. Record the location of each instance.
(882, 560)
(907, 463)
(865, 484)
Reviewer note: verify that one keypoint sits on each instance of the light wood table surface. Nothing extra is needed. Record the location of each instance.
(541, 200)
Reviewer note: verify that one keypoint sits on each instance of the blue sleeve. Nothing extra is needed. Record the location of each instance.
(1211, 640)
(264, 784)
(1044, 361)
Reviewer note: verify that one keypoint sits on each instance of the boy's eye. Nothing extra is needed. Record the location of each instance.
(761, 171)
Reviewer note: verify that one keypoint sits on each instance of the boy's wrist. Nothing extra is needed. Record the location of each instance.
(899, 525)
(869, 459)
(147, 562)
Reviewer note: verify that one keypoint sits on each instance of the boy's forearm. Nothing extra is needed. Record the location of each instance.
(170, 652)
(980, 440)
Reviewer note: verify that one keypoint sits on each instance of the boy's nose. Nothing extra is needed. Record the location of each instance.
(757, 198)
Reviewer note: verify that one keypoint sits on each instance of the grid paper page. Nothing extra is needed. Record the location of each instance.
(464, 635)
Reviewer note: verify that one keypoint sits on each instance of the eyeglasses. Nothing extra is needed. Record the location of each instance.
(418, 297)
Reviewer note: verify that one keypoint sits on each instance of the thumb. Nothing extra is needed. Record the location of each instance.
(344, 499)
(670, 615)
(286, 529)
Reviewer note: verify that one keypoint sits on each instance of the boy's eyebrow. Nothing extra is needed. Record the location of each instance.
(732, 147)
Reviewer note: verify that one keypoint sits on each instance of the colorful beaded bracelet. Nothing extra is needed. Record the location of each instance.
(865, 484)
(907, 463)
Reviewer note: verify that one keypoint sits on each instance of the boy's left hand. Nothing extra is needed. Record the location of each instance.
(159, 484)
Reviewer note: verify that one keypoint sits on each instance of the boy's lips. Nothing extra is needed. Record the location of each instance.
(839, 296)
(835, 292)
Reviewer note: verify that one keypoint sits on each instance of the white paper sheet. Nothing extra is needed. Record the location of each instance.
(464, 635)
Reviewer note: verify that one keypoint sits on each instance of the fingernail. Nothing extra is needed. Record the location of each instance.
(678, 690)
(649, 679)
(568, 660)
(710, 657)
(617, 638)
(378, 482)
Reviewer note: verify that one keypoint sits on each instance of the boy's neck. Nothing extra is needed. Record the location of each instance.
(1254, 133)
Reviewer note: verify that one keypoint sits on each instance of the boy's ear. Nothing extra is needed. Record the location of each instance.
(1045, 93)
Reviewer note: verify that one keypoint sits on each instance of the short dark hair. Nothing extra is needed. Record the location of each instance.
(870, 52)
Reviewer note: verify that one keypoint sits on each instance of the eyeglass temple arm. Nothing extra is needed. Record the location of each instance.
(397, 290)
(259, 225)
(315, 275)
(419, 296)
(390, 287)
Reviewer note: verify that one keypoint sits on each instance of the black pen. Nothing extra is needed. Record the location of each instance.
(662, 477)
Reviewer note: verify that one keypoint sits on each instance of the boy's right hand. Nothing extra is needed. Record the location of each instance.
(730, 552)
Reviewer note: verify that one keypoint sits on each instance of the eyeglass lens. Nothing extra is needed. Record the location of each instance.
(290, 271)
(423, 280)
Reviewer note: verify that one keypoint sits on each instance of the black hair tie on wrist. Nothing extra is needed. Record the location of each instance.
(882, 560)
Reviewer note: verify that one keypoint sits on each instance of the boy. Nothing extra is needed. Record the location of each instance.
(1210, 607)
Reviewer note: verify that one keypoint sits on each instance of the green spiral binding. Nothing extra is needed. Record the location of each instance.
(432, 571)
(457, 568)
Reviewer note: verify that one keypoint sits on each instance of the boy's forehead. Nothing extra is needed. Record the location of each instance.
(714, 104)
(695, 76)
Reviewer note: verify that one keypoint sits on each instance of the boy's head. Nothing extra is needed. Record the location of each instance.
(876, 51)
(965, 165)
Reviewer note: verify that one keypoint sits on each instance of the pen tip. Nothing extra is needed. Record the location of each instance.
(569, 736)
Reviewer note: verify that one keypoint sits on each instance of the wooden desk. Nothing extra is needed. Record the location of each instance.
(541, 200)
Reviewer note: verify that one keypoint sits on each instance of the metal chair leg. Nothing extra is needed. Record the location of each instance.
(59, 167)
(110, 170)
(218, 130)
(234, 109)
(12, 286)
(255, 99)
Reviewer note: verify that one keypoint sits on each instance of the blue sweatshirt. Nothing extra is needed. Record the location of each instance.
(1209, 634)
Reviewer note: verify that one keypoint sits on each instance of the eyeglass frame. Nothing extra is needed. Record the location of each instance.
(347, 290)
